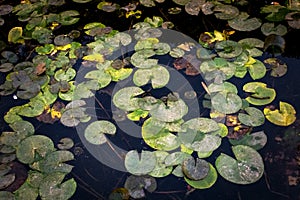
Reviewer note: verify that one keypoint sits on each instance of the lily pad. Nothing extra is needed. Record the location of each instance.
(53, 187)
(278, 67)
(42, 35)
(260, 94)
(74, 114)
(256, 68)
(5, 195)
(243, 23)
(140, 164)
(293, 20)
(176, 158)
(228, 49)
(174, 110)
(255, 140)
(160, 169)
(181, 2)
(42, 145)
(136, 185)
(125, 98)
(94, 132)
(81, 1)
(285, 116)
(5, 9)
(193, 7)
(65, 143)
(15, 35)
(140, 59)
(158, 75)
(274, 44)
(195, 170)
(247, 168)
(226, 103)
(103, 78)
(65, 75)
(119, 74)
(225, 12)
(157, 136)
(254, 117)
(205, 183)
(68, 17)
(270, 28)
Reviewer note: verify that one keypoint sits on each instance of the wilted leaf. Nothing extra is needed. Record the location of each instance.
(285, 116)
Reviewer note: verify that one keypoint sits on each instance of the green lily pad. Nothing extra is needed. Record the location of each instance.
(147, 3)
(249, 43)
(10, 56)
(15, 35)
(103, 78)
(94, 132)
(243, 23)
(136, 185)
(42, 35)
(53, 187)
(254, 117)
(74, 114)
(278, 67)
(247, 168)
(256, 69)
(107, 6)
(174, 110)
(274, 44)
(177, 52)
(6, 67)
(31, 109)
(137, 115)
(181, 2)
(54, 162)
(26, 192)
(65, 75)
(205, 183)
(195, 170)
(158, 75)
(270, 28)
(226, 103)
(255, 140)
(293, 20)
(42, 145)
(62, 40)
(5, 9)
(140, 59)
(140, 164)
(5, 195)
(228, 49)
(285, 116)
(223, 87)
(226, 12)
(160, 169)
(157, 136)
(68, 17)
(81, 1)
(119, 74)
(176, 158)
(68, 96)
(193, 7)
(125, 98)
(260, 94)
(65, 143)
(201, 124)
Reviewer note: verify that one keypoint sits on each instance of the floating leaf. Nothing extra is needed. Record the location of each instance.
(176, 158)
(53, 188)
(42, 145)
(140, 164)
(157, 136)
(94, 57)
(228, 49)
(119, 74)
(15, 35)
(226, 103)
(205, 183)
(293, 20)
(255, 140)
(226, 12)
(65, 143)
(193, 7)
(254, 117)
(68, 17)
(5, 195)
(125, 98)
(94, 132)
(195, 170)
(256, 68)
(74, 114)
(137, 115)
(107, 6)
(136, 185)
(140, 59)
(260, 94)
(158, 75)
(65, 75)
(278, 67)
(5, 9)
(243, 23)
(274, 44)
(6, 180)
(6, 67)
(81, 1)
(160, 169)
(246, 169)
(42, 35)
(269, 29)
(285, 116)
(10, 56)
(174, 110)
(26, 192)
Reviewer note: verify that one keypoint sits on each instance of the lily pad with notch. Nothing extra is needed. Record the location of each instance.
(260, 94)
(160, 169)
(126, 99)
(270, 28)
(195, 170)
(225, 12)
(247, 168)
(228, 49)
(226, 103)
(278, 67)
(254, 117)
(140, 164)
(255, 140)
(136, 185)
(140, 59)
(94, 132)
(285, 116)
(242, 22)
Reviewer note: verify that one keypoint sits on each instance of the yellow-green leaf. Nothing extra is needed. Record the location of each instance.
(15, 35)
(285, 116)
(94, 57)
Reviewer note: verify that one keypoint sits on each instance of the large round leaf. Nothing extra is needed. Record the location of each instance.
(260, 94)
(103, 78)
(242, 23)
(248, 167)
(254, 117)
(174, 110)
(226, 103)
(34, 148)
(158, 75)
(226, 12)
(140, 164)
(205, 183)
(125, 98)
(228, 49)
(285, 116)
(255, 140)
(136, 185)
(94, 132)
(141, 59)
(195, 170)
(160, 169)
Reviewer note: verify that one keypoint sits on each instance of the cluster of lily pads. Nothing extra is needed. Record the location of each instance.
(47, 81)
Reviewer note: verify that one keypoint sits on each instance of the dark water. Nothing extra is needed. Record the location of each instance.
(96, 181)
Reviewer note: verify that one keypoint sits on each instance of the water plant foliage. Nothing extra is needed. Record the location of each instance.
(52, 90)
